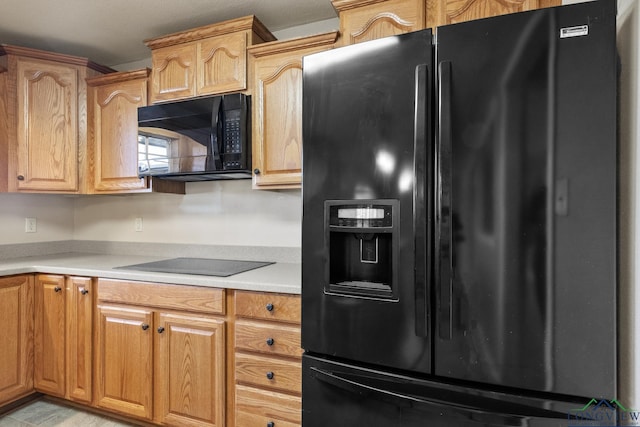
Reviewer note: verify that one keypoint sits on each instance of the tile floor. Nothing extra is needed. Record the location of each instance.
(44, 413)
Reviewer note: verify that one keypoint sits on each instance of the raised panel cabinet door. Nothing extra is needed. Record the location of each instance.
(47, 122)
(364, 20)
(173, 73)
(277, 109)
(278, 115)
(50, 326)
(444, 12)
(114, 139)
(124, 360)
(222, 64)
(190, 370)
(16, 342)
(79, 336)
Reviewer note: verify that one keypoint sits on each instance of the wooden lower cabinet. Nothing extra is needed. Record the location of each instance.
(124, 360)
(158, 364)
(63, 336)
(190, 370)
(268, 360)
(16, 351)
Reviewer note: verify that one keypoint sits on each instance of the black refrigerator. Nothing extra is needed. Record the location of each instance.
(459, 233)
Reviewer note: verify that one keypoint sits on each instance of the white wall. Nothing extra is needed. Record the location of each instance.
(54, 214)
(629, 296)
(215, 213)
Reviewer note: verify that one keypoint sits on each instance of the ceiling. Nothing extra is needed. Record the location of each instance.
(111, 32)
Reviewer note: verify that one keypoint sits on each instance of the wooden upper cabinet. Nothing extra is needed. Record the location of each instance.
(16, 352)
(47, 126)
(205, 60)
(46, 120)
(443, 12)
(363, 20)
(276, 70)
(113, 132)
(174, 72)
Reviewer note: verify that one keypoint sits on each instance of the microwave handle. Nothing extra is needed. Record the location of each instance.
(213, 161)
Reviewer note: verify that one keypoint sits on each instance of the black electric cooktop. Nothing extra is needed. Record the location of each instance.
(200, 266)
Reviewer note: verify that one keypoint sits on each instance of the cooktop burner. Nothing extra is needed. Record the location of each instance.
(200, 266)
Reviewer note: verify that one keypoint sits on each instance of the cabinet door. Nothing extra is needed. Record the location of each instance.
(174, 72)
(79, 336)
(362, 21)
(113, 142)
(16, 349)
(190, 374)
(222, 64)
(444, 12)
(47, 149)
(50, 334)
(124, 369)
(277, 109)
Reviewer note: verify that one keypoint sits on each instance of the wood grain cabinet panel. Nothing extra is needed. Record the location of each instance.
(268, 306)
(268, 359)
(79, 339)
(45, 101)
(204, 61)
(124, 360)
(47, 126)
(190, 357)
(16, 351)
(50, 331)
(364, 20)
(174, 72)
(112, 149)
(444, 12)
(63, 336)
(276, 70)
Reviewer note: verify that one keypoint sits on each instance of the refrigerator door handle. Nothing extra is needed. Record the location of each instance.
(519, 415)
(422, 198)
(444, 247)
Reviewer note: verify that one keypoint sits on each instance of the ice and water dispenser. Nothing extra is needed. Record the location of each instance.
(361, 238)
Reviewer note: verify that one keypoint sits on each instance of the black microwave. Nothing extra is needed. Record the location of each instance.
(199, 139)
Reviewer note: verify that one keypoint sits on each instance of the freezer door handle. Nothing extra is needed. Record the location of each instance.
(422, 198)
(444, 247)
(445, 404)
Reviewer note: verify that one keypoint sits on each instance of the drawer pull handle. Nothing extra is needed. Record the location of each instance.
(271, 424)
(57, 289)
(269, 375)
(84, 291)
(270, 341)
(144, 326)
(160, 329)
(269, 307)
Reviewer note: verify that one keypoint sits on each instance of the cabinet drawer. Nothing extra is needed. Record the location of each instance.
(255, 407)
(173, 297)
(263, 371)
(268, 338)
(268, 306)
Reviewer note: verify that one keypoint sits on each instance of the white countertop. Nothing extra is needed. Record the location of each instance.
(281, 277)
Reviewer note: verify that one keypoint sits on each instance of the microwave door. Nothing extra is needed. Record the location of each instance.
(213, 160)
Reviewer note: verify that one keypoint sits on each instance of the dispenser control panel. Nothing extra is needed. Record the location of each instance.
(361, 216)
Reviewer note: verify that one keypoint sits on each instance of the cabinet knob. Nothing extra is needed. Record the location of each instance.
(256, 171)
(144, 326)
(271, 424)
(269, 307)
(84, 291)
(270, 341)
(269, 375)
(160, 329)
(20, 177)
(57, 289)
